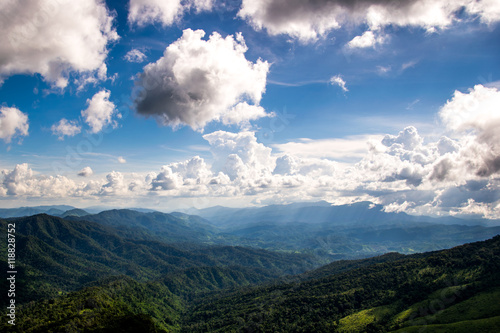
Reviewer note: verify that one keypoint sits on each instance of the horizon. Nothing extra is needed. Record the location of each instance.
(244, 104)
(193, 211)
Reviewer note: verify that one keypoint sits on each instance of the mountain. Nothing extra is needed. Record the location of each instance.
(172, 228)
(117, 304)
(73, 212)
(343, 232)
(360, 213)
(452, 290)
(348, 242)
(29, 211)
(327, 240)
(329, 232)
(56, 255)
(98, 209)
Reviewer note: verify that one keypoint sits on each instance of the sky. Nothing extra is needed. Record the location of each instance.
(171, 104)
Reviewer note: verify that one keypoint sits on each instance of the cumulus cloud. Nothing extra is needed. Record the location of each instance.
(100, 111)
(350, 149)
(21, 181)
(308, 20)
(339, 81)
(239, 154)
(401, 157)
(165, 12)
(121, 160)
(135, 55)
(173, 176)
(86, 172)
(409, 139)
(12, 123)
(115, 184)
(198, 81)
(403, 171)
(242, 113)
(367, 39)
(477, 209)
(65, 128)
(55, 39)
(474, 117)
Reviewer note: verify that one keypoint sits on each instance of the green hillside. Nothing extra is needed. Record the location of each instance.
(81, 276)
(56, 256)
(375, 298)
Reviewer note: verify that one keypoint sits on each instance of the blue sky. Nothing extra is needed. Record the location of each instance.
(168, 104)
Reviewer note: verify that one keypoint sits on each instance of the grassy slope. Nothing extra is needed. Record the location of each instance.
(482, 309)
(487, 325)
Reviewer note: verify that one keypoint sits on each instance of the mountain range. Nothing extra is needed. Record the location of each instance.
(328, 232)
(353, 268)
(77, 275)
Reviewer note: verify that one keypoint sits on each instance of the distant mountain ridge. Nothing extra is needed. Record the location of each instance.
(322, 212)
(59, 210)
(59, 255)
(304, 212)
(330, 232)
(327, 239)
(55, 210)
(173, 228)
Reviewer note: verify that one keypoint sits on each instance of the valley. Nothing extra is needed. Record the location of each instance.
(128, 271)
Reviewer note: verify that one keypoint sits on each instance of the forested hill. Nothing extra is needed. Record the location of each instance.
(329, 232)
(155, 225)
(449, 290)
(54, 256)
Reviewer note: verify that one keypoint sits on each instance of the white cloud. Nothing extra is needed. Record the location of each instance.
(476, 110)
(487, 10)
(135, 55)
(198, 81)
(456, 174)
(408, 64)
(242, 113)
(477, 209)
(367, 39)
(115, 185)
(99, 112)
(240, 155)
(339, 81)
(166, 12)
(65, 128)
(86, 172)
(352, 148)
(474, 118)
(409, 139)
(309, 20)
(21, 181)
(12, 123)
(121, 160)
(382, 70)
(55, 38)
(173, 176)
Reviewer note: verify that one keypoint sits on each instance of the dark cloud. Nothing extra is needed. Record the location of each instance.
(198, 81)
(490, 167)
(309, 19)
